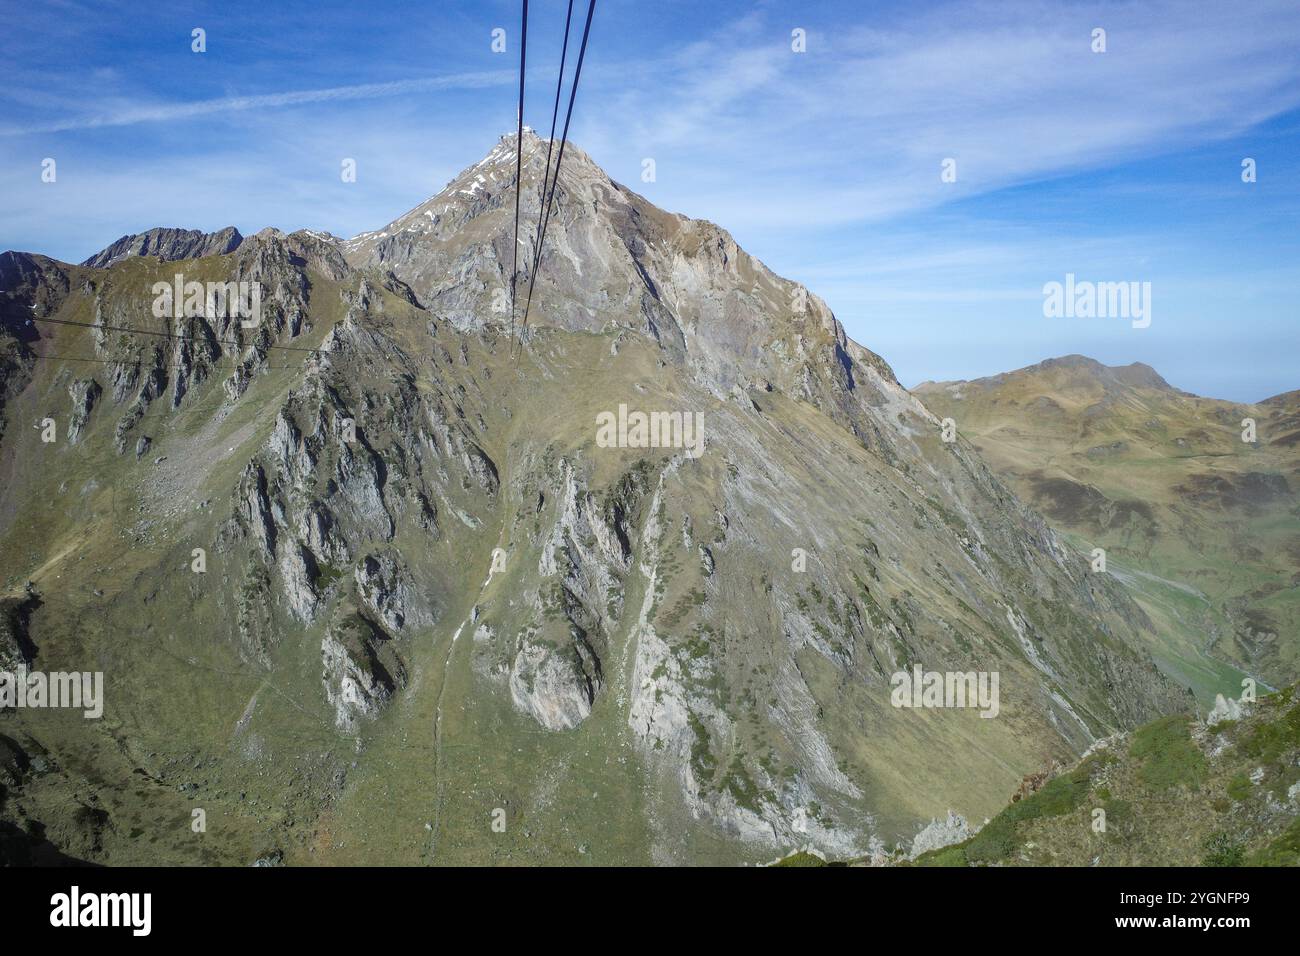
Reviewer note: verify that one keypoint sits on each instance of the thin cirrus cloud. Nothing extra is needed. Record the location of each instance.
(1013, 93)
(268, 101)
(855, 129)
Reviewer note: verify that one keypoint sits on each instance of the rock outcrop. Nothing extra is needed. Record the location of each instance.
(169, 245)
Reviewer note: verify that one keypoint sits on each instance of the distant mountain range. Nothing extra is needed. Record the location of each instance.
(365, 588)
(1202, 526)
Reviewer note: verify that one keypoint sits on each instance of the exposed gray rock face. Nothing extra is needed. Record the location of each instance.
(555, 662)
(297, 572)
(253, 509)
(322, 253)
(168, 244)
(352, 691)
(384, 586)
(14, 763)
(554, 687)
(1225, 708)
(16, 647)
(11, 655)
(938, 834)
(84, 394)
(123, 377)
(145, 376)
(316, 529)
(361, 672)
(31, 287)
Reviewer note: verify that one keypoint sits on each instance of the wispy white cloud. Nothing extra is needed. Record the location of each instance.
(164, 112)
(855, 129)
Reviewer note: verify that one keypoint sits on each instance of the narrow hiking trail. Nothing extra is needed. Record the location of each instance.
(470, 617)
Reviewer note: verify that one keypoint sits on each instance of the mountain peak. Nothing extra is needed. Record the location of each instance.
(610, 259)
(485, 186)
(168, 244)
(1141, 375)
(1133, 375)
(1067, 375)
(1077, 370)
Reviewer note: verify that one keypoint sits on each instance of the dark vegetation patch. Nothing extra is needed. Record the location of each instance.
(1269, 741)
(1168, 755)
(1252, 490)
(1222, 849)
(1283, 851)
(1083, 506)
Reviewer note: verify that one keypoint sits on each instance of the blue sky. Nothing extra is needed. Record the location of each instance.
(1115, 166)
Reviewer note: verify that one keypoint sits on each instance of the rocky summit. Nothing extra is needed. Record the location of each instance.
(367, 582)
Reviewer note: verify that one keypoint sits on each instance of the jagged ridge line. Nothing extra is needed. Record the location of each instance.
(125, 361)
(173, 335)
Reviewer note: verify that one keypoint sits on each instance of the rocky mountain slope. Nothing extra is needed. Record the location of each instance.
(1223, 791)
(366, 588)
(1201, 526)
(1176, 792)
(168, 245)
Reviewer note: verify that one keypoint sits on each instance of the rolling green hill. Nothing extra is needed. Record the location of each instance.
(1201, 527)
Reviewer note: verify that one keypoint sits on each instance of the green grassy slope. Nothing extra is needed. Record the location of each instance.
(1201, 527)
(1172, 793)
